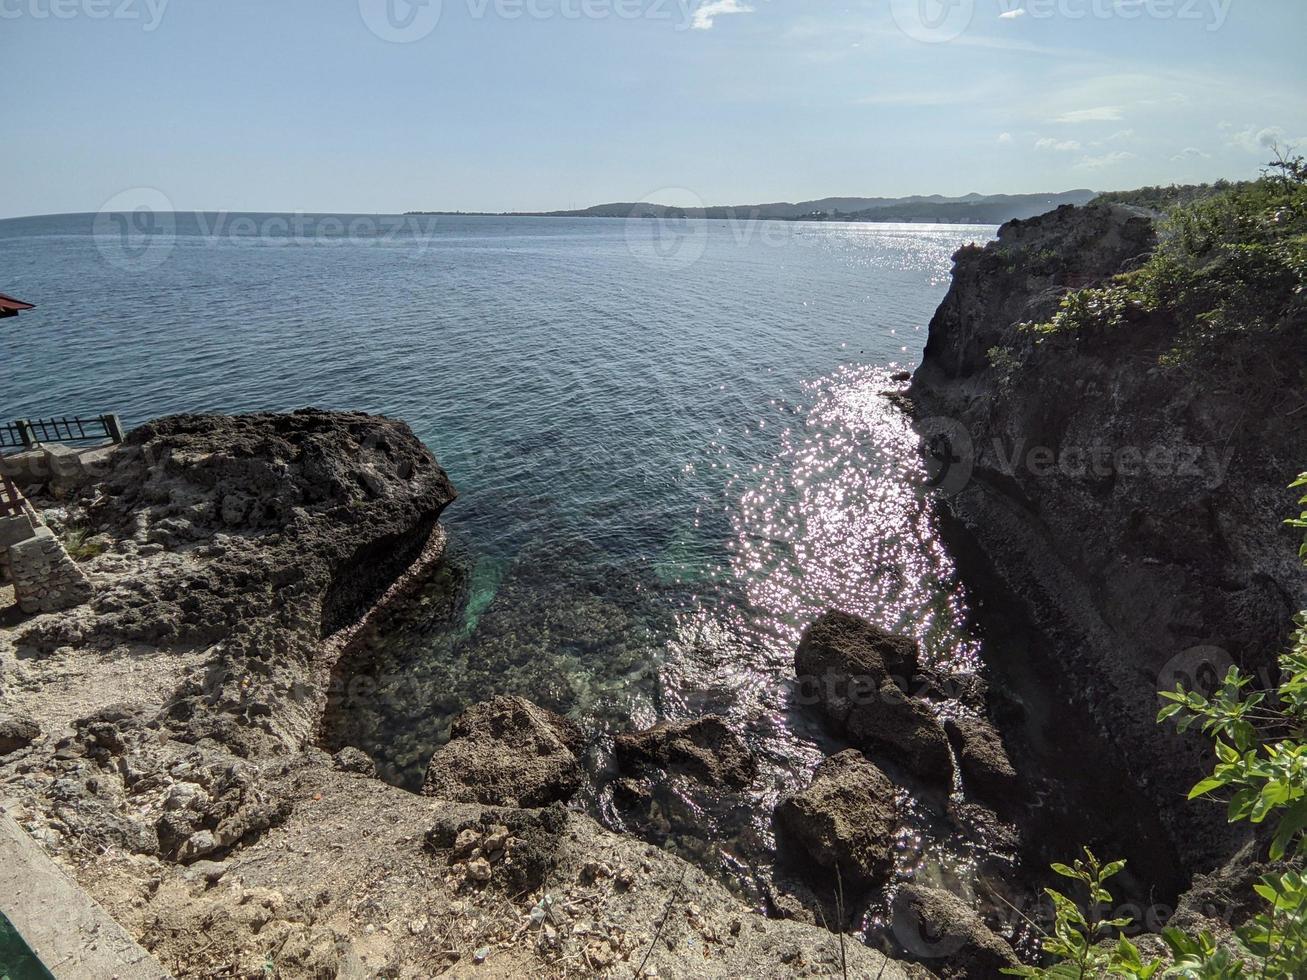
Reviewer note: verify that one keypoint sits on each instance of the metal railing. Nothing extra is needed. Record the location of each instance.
(29, 433)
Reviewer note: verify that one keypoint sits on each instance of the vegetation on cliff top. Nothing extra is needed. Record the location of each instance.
(1230, 272)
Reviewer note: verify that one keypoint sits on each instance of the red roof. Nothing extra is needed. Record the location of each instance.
(13, 305)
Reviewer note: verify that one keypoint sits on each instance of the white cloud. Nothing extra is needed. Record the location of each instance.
(1005, 138)
(1012, 14)
(706, 13)
(1057, 146)
(1102, 113)
(1105, 161)
(1190, 153)
(1256, 139)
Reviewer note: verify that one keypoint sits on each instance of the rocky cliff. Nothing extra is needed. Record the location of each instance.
(1137, 508)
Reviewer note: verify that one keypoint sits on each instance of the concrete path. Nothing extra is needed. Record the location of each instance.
(74, 937)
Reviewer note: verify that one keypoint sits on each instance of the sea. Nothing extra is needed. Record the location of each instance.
(676, 443)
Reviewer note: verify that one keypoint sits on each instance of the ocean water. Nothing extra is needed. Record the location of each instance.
(676, 444)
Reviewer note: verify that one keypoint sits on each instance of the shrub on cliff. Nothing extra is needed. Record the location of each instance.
(1231, 269)
(1260, 738)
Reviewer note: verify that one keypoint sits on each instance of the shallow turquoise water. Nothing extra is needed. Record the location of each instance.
(673, 444)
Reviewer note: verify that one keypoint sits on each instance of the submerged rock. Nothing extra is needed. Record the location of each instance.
(705, 749)
(845, 819)
(856, 673)
(506, 752)
(945, 934)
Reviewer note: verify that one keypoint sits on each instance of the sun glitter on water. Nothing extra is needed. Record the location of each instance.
(839, 519)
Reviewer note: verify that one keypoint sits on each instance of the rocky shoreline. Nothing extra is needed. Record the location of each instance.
(161, 741)
(171, 742)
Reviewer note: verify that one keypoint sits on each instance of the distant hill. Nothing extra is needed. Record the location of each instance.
(983, 209)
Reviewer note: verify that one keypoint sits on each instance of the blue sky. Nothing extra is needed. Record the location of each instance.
(378, 106)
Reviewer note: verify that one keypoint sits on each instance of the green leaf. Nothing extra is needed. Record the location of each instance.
(1206, 786)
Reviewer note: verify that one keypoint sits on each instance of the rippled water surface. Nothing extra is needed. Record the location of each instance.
(674, 447)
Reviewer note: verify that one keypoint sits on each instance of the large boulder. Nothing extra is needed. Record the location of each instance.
(986, 769)
(941, 931)
(17, 732)
(506, 752)
(857, 674)
(845, 819)
(841, 655)
(705, 749)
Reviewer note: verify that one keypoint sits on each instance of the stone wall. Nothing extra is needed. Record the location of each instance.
(45, 577)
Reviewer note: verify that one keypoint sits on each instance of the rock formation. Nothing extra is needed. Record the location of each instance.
(705, 749)
(941, 930)
(507, 752)
(174, 768)
(859, 675)
(845, 819)
(1137, 508)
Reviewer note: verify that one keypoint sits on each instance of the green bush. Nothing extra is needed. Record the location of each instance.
(1229, 267)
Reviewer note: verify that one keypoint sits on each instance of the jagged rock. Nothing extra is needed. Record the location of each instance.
(845, 819)
(984, 763)
(941, 931)
(506, 752)
(705, 748)
(17, 732)
(339, 506)
(856, 673)
(351, 759)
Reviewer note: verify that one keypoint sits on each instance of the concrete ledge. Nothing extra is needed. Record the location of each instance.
(74, 937)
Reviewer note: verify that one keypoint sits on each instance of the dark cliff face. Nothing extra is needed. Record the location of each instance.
(1138, 509)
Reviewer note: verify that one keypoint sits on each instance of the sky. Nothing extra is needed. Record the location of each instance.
(381, 106)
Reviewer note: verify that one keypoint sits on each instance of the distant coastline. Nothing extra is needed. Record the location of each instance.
(980, 209)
